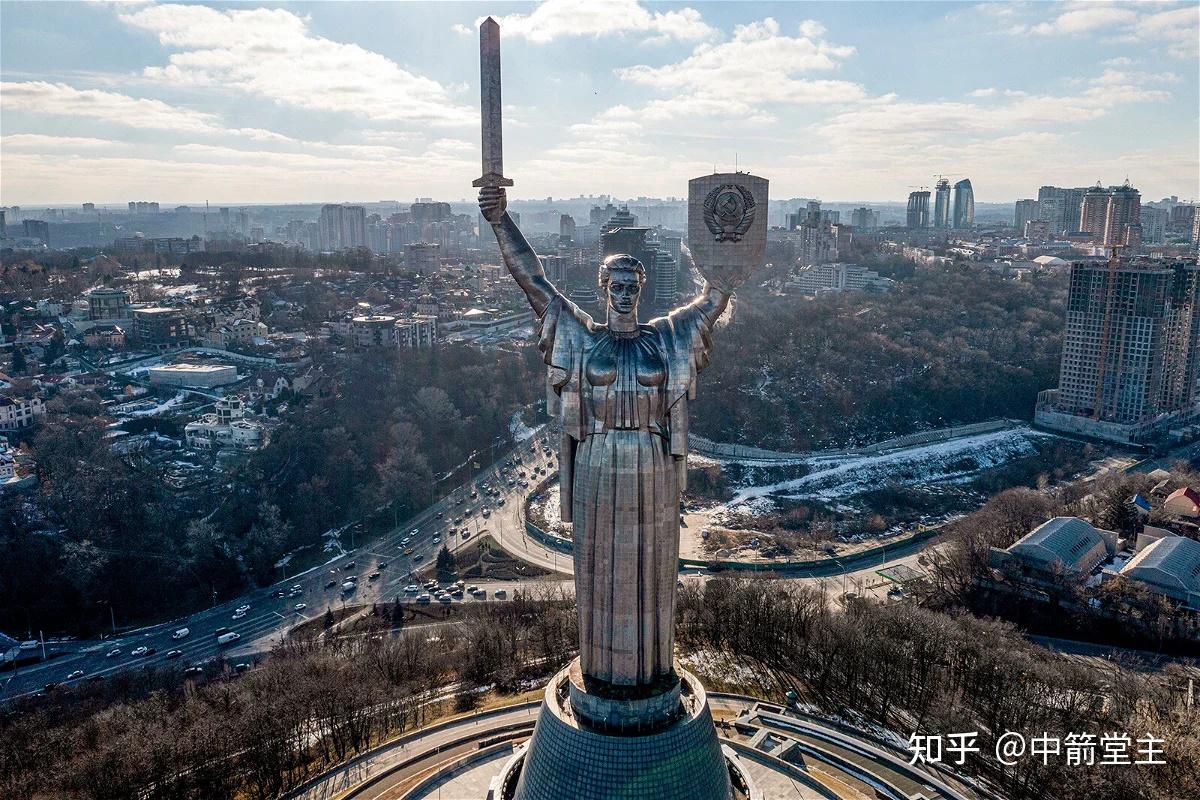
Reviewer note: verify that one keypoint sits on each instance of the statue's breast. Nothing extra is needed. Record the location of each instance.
(626, 363)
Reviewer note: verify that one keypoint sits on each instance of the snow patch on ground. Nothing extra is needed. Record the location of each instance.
(547, 506)
(160, 408)
(518, 429)
(939, 462)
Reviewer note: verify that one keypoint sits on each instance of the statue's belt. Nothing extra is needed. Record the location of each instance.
(651, 427)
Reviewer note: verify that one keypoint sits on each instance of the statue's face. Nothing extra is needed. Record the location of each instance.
(623, 291)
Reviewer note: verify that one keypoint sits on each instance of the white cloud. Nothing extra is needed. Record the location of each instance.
(1088, 17)
(1175, 29)
(556, 19)
(271, 53)
(41, 142)
(1178, 30)
(757, 68)
(988, 92)
(41, 97)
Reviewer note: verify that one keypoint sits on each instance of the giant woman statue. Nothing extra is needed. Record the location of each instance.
(620, 388)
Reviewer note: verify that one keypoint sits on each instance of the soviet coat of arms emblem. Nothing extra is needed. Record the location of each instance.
(729, 212)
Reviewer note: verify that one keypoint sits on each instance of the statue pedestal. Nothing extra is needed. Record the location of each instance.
(587, 746)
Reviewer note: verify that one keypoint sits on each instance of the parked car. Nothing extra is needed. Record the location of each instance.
(76, 674)
(501, 593)
(331, 584)
(300, 606)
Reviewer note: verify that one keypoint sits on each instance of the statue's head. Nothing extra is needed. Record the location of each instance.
(621, 278)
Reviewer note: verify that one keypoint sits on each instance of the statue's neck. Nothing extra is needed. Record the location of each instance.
(622, 323)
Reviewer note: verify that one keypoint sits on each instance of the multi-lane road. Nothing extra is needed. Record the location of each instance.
(276, 609)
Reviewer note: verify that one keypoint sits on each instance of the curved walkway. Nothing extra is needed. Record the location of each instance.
(788, 752)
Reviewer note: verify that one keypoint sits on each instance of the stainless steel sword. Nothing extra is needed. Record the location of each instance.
(490, 106)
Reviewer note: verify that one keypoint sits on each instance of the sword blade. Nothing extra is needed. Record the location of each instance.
(490, 103)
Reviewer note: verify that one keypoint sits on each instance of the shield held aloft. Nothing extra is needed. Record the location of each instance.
(727, 226)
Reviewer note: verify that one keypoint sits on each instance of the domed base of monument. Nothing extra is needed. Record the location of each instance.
(587, 746)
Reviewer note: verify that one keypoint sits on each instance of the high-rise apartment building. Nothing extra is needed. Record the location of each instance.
(1026, 211)
(1130, 350)
(918, 210)
(864, 219)
(964, 205)
(342, 227)
(1094, 212)
(1154, 221)
(1112, 216)
(423, 257)
(36, 229)
(142, 207)
(941, 204)
(566, 227)
(1122, 220)
(1060, 207)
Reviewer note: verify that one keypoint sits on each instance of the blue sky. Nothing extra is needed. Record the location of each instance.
(306, 102)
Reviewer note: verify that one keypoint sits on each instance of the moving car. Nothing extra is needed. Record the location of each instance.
(174, 653)
(239, 614)
(226, 638)
(76, 674)
(180, 634)
(194, 670)
(412, 588)
(139, 651)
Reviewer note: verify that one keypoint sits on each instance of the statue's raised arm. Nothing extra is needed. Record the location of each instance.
(522, 262)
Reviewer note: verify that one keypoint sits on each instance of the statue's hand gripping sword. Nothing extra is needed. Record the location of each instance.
(490, 106)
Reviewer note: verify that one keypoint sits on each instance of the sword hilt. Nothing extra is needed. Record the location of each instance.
(491, 179)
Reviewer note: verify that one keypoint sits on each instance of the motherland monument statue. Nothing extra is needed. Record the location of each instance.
(623, 720)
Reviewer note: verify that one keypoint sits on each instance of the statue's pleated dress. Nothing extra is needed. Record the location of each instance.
(622, 400)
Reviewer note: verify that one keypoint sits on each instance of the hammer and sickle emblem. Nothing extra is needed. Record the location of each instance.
(729, 212)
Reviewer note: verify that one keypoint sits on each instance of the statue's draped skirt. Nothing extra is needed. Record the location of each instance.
(626, 537)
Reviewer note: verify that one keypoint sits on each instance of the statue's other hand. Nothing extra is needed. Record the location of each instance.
(493, 201)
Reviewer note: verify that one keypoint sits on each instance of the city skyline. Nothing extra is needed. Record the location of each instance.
(102, 102)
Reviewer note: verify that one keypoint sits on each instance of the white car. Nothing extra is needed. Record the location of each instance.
(405, 541)
(243, 608)
(412, 588)
(116, 651)
(437, 540)
(423, 597)
(139, 651)
(180, 634)
(300, 606)
(239, 614)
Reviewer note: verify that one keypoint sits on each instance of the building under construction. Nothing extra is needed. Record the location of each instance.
(1129, 360)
